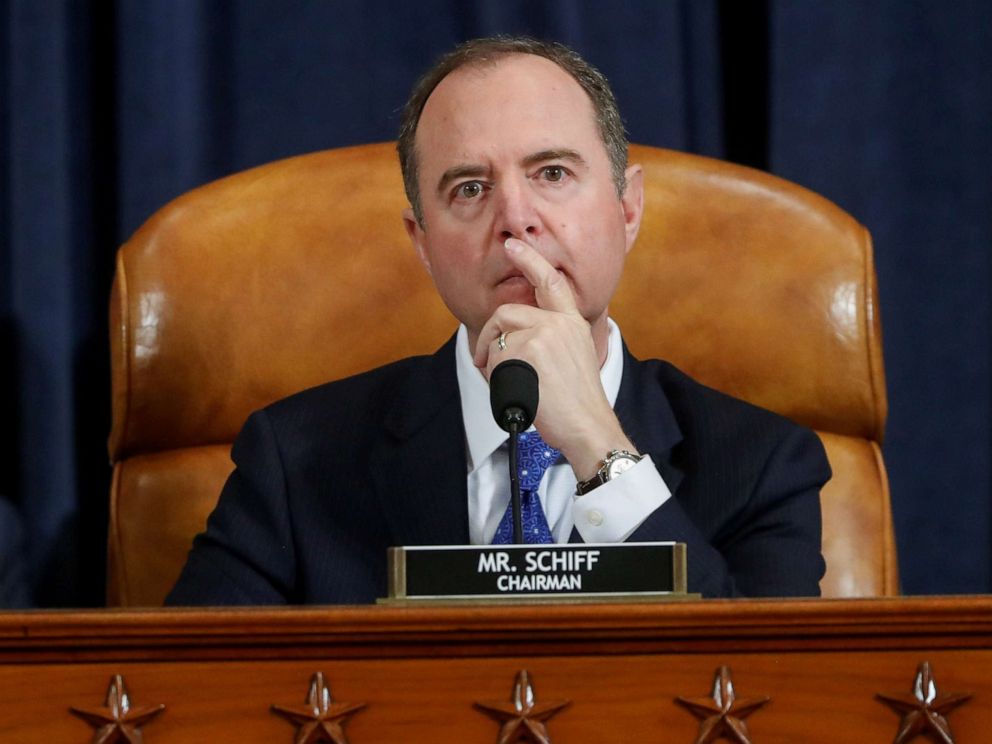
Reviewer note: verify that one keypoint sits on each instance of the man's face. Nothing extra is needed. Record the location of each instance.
(513, 150)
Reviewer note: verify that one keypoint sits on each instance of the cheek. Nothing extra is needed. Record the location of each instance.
(597, 256)
(453, 264)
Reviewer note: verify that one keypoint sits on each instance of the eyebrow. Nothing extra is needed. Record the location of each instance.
(475, 171)
(460, 171)
(561, 154)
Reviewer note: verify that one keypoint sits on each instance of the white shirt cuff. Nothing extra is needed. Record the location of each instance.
(611, 512)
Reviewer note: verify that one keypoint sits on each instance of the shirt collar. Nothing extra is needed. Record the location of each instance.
(483, 435)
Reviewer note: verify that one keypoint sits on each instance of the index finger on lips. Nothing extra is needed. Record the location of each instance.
(551, 289)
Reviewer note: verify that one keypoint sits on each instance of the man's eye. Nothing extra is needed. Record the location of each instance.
(469, 190)
(553, 173)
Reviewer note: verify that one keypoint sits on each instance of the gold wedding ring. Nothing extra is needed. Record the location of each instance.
(501, 342)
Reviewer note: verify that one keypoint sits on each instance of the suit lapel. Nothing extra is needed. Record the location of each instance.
(647, 418)
(419, 465)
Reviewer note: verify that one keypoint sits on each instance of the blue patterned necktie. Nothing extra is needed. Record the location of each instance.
(534, 457)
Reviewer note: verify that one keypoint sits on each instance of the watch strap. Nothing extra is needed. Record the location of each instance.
(603, 474)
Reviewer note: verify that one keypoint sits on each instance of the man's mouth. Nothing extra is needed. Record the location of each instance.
(513, 279)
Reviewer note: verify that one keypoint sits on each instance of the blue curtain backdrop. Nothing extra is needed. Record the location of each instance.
(107, 112)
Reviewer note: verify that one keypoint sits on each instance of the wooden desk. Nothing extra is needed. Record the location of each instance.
(419, 671)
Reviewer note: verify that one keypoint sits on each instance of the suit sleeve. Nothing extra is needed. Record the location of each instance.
(771, 544)
(246, 554)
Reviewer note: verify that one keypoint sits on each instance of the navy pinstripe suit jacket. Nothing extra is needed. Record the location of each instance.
(327, 479)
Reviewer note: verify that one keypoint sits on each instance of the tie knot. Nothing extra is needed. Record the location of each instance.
(534, 457)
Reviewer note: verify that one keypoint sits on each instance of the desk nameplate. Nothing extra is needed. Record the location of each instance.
(579, 570)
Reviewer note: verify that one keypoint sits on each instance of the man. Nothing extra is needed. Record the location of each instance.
(523, 208)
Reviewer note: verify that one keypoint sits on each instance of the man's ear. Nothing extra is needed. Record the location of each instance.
(417, 237)
(632, 203)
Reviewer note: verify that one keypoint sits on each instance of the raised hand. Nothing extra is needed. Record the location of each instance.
(574, 414)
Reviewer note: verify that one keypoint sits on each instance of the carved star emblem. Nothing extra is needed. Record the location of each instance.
(523, 717)
(321, 719)
(118, 720)
(722, 714)
(924, 711)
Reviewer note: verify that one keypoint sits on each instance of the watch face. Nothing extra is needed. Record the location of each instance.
(620, 465)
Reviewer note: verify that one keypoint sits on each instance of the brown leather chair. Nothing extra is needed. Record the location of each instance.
(299, 271)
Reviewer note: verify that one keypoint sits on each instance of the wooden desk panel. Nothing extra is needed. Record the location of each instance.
(419, 670)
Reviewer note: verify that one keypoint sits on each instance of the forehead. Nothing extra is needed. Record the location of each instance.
(518, 105)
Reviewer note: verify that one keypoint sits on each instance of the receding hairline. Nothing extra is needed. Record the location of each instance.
(485, 65)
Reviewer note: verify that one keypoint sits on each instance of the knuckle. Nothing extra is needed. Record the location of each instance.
(553, 281)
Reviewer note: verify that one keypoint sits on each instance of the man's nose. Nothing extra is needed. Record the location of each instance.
(516, 215)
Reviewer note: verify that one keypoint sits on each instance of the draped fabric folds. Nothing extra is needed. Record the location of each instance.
(108, 110)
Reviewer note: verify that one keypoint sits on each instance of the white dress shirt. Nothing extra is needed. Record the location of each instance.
(609, 513)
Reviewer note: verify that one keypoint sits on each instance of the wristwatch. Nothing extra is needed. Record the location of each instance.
(616, 462)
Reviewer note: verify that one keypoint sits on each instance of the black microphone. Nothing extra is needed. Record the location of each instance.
(513, 395)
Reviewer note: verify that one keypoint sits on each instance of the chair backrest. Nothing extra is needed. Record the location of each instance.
(297, 272)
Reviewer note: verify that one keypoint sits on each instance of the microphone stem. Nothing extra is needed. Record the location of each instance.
(518, 525)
